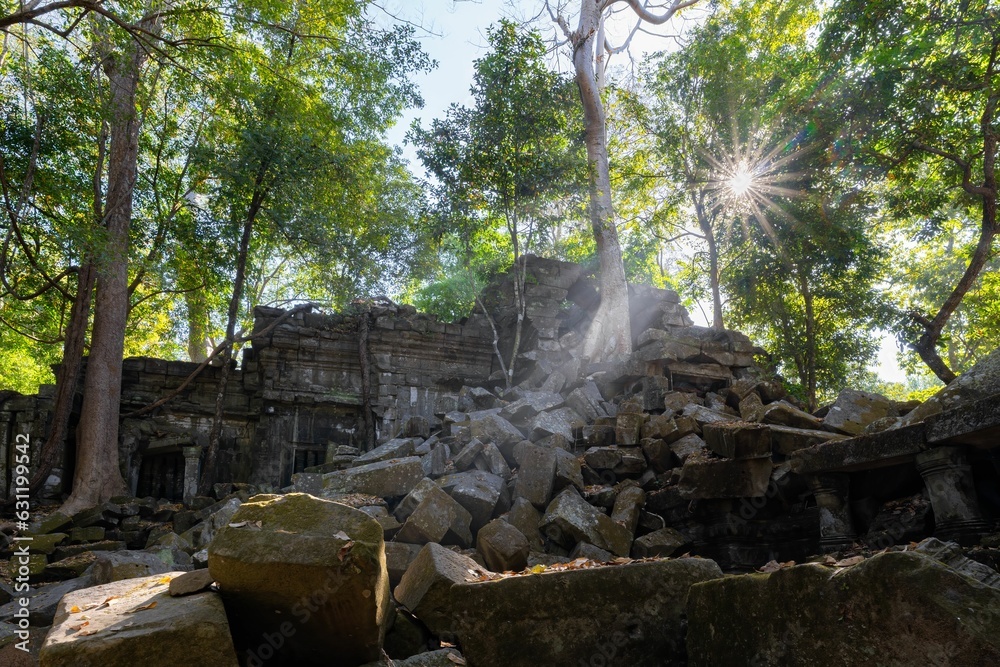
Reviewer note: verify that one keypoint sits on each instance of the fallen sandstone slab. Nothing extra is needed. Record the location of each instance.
(628, 615)
(136, 622)
(898, 608)
(306, 572)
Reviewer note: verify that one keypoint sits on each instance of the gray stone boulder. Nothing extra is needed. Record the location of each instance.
(112, 566)
(438, 518)
(494, 428)
(621, 616)
(738, 440)
(556, 422)
(587, 401)
(396, 448)
(570, 519)
(481, 493)
(283, 555)
(526, 518)
(725, 478)
(896, 608)
(523, 410)
(854, 410)
(385, 479)
(980, 381)
(201, 534)
(662, 543)
(426, 587)
(535, 474)
(502, 546)
(137, 622)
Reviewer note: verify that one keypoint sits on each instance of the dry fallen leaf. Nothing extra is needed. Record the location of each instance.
(151, 605)
(87, 633)
(238, 524)
(341, 535)
(79, 626)
(770, 566)
(847, 562)
(75, 610)
(344, 550)
(457, 659)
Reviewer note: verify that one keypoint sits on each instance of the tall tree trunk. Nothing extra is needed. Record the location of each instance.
(97, 476)
(809, 365)
(215, 435)
(197, 316)
(926, 345)
(610, 335)
(69, 375)
(713, 259)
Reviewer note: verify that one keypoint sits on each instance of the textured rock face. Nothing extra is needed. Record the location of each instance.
(898, 608)
(312, 571)
(387, 479)
(621, 616)
(570, 519)
(854, 410)
(137, 623)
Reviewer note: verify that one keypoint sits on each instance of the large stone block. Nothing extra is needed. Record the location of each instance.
(738, 440)
(426, 587)
(570, 519)
(316, 565)
(386, 479)
(725, 478)
(137, 622)
(481, 493)
(535, 474)
(502, 546)
(618, 616)
(438, 518)
(899, 608)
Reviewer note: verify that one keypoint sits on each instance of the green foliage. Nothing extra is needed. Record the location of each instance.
(502, 167)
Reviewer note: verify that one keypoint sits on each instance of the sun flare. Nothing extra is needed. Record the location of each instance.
(741, 181)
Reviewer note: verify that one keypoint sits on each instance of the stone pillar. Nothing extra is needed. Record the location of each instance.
(192, 470)
(948, 478)
(836, 529)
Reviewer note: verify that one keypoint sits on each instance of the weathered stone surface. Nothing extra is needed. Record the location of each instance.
(627, 506)
(536, 474)
(281, 550)
(976, 424)
(526, 518)
(725, 478)
(201, 534)
(854, 410)
(863, 452)
(398, 556)
(416, 495)
(445, 657)
(481, 493)
(660, 426)
(556, 422)
(658, 454)
(438, 518)
(686, 446)
(703, 415)
(466, 458)
(112, 566)
(568, 471)
(385, 479)
(660, 543)
(503, 546)
(43, 601)
(626, 615)
(619, 460)
(738, 440)
(570, 519)
(788, 440)
(628, 428)
(426, 587)
(491, 460)
(523, 410)
(786, 414)
(187, 583)
(899, 608)
(675, 402)
(397, 448)
(587, 401)
(979, 382)
(143, 625)
(494, 428)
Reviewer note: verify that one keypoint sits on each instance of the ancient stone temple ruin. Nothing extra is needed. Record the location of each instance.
(380, 453)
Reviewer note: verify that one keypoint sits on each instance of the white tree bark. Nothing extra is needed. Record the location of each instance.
(610, 335)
